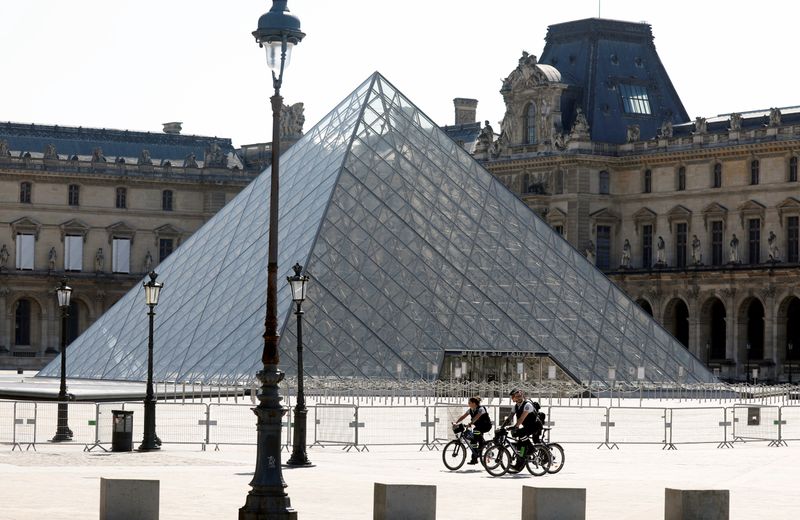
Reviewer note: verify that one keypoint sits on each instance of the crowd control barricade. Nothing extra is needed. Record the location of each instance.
(105, 425)
(444, 414)
(81, 419)
(699, 426)
(337, 425)
(231, 424)
(24, 426)
(753, 422)
(177, 423)
(392, 425)
(790, 423)
(6, 422)
(577, 424)
(637, 426)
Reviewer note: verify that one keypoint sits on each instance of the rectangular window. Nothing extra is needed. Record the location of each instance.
(793, 169)
(25, 192)
(73, 253)
(25, 251)
(604, 180)
(647, 245)
(164, 248)
(166, 200)
(754, 240)
(559, 230)
(603, 247)
(648, 181)
(73, 198)
(121, 255)
(122, 198)
(634, 99)
(680, 244)
(792, 236)
(716, 242)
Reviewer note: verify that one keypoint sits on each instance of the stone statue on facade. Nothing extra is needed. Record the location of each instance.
(499, 145)
(633, 133)
(736, 122)
(97, 155)
(733, 256)
(485, 138)
(50, 153)
(4, 151)
(190, 161)
(697, 256)
(292, 121)
(4, 258)
(625, 263)
(144, 158)
(580, 127)
(214, 157)
(661, 252)
(772, 243)
(666, 129)
(99, 260)
(52, 256)
(590, 253)
(559, 141)
(147, 265)
(700, 125)
(774, 117)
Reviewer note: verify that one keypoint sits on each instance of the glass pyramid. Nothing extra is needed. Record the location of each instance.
(412, 248)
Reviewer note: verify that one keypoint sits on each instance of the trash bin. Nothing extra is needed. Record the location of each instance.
(122, 433)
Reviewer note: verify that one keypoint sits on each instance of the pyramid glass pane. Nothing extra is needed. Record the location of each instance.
(413, 250)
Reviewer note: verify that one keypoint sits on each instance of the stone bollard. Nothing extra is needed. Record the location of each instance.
(404, 502)
(122, 499)
(553, 503)
(705, 504)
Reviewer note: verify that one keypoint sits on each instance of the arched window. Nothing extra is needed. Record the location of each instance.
(166, 200)
(648, 181)
(681, 178)
(754, 171)
(25, 192)
(605, 183)
(22, 323)
(718, 175)
(530, 123)
(793, 169)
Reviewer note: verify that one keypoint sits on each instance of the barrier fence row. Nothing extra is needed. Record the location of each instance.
(24, 424)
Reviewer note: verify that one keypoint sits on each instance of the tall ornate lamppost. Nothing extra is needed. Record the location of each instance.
(278, 31)
(152, 290)
(299, 456)
(63, 433)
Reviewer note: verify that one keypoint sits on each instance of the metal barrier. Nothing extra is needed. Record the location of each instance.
(23, 424)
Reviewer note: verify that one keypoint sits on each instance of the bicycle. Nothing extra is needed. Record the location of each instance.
(556, 452)
(454, 453)
(503, 455)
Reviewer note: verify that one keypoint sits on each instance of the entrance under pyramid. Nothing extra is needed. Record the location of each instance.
(417, 256)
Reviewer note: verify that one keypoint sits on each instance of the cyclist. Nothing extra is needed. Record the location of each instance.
(528, 421)
(479, 418)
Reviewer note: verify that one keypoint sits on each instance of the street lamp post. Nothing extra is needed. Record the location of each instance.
(63, 433)
(299, 456)
(152, 290)
(748, 363)
(278, 31)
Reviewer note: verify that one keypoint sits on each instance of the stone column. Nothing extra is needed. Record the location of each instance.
(696, 345)
(770, 333)
(731, 334)
(45, 326)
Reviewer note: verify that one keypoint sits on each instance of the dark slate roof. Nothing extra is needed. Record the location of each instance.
(750, 120)
(465, 134)
(81, 141)
(595, 55)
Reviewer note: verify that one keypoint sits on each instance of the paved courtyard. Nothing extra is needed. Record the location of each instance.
(62, 482)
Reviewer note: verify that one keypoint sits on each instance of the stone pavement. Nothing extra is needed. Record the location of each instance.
(62, 482)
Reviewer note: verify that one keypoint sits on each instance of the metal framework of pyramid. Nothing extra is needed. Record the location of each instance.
(412, 248)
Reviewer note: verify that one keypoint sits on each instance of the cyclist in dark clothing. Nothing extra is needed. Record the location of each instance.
(479, 418)
(528, 421)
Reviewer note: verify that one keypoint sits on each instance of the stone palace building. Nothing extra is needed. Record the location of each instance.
(696, 219)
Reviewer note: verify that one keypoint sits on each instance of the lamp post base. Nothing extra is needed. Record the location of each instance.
(150, 441)
(299, 456)
(63, 433)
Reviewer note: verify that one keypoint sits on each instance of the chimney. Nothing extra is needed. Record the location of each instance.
(465, 110)
(172, 128)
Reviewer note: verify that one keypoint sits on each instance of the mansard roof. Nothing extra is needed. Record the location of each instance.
(595, 56)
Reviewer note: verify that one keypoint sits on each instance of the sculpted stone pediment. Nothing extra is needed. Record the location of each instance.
(73, 227)
(679, 213)
(751, 209)
(645, 216)
(789, 206)
(715, 211)
(25, 225)
(120, 230)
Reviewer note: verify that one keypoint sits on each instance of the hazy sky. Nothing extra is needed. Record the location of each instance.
(135, 64)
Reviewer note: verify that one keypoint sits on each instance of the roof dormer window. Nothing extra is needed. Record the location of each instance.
(635, 99)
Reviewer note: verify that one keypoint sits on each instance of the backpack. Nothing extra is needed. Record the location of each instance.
(484, 423)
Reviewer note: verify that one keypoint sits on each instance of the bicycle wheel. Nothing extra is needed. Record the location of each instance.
(453, 455)
(539, 461)
(496, 460)
(557, 455)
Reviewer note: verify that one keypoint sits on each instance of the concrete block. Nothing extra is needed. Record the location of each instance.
(122, 499)
(404, 502)
(696, 504)
(553, 503)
